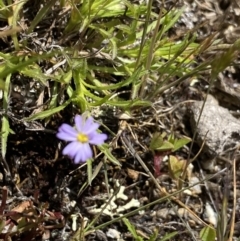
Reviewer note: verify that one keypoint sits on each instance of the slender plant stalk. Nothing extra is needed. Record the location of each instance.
(135, 88)
(234, 201)
(150, 56)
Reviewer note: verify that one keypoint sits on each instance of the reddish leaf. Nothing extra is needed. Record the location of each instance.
(158, 158)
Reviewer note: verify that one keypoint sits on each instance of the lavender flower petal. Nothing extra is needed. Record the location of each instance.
(90, 127)
(66, 137)
(83, 154)
(71, 149)
(97, 139)
(79, 157)
(89, 122)
(67, 129)
(87, 151)
(79, 123)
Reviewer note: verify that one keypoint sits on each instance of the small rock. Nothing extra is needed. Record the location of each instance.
(164, 213)
(219, 129)
(113, 233)
(183, 213)
(197, 188)
(210, 215)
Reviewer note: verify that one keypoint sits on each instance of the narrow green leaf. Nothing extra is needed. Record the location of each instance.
(54, 98)
(168, 236)
(4, 11)
(70, 91)
(123, 104)
(14, 64)
(34, 71)
(114, 47)
(14, 22)
(208, 234)
(99, 101)
(223, 61)
(5, 124)
(171, 138)
(156, 142)
(154, 236)
(129, 103)
(165, 146)
(124, 28)
(135, 76)
(41, 14)
(89, 171)
(2, 84)
(4, 136)
(105, 149)
(171, 18)
(81, 102)
(66, 78)
(179, 143)
(132, 230)
(47, 113)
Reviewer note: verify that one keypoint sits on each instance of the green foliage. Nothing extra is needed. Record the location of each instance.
(132, 230)
(175, 166)
(105, 149)
(222, 229)
(168, 236)
(5, 11)
(47, 113)
(116, 27)
(41, 14)
(159, 144)
(208, 234)
(5, 130)
(171, 144)
(221, 63)
(26, 65)
(153, 237)
(178, 143)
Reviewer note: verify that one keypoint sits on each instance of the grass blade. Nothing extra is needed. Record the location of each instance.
(5, 124)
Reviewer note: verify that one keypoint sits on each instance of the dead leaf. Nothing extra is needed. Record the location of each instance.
(133, 174)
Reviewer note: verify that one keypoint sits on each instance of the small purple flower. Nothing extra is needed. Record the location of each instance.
(84, 133)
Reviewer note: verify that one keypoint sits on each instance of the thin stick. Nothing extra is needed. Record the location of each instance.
(234, 201)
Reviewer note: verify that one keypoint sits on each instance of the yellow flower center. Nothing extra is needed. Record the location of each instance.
(82, 138)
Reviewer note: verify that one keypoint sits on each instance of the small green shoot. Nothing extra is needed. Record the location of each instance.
(175, 166)
(208, 234)
(160, 143)
(5, 130)
(132, 230)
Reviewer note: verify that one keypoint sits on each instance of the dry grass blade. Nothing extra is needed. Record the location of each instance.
(9, 32)
(232, 224)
